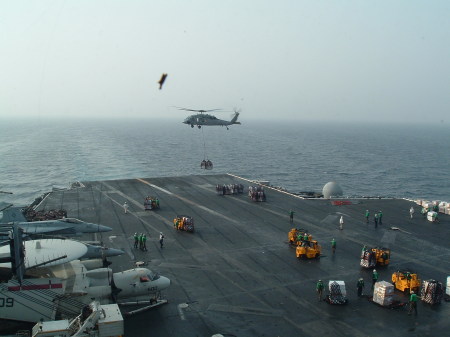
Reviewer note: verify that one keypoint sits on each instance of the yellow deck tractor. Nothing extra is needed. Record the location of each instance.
(151, 203)
(382, 255)
(406, 281)
(308, 249)
(375, 257)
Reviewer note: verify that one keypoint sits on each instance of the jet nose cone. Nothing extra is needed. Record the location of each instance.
(164, 283)
(101, 228)
(110, 252)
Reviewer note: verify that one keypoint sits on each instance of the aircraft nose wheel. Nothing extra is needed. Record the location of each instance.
(199, 126)
(192, 125)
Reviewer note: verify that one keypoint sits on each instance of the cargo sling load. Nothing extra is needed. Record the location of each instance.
(229, 189)
(338, 294)
(432, 292)
(206, 164)
(184, 223)
(256, 193)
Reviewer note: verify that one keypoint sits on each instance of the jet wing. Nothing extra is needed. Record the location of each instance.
(68, 230)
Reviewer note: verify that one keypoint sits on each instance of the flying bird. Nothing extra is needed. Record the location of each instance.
(161, 81)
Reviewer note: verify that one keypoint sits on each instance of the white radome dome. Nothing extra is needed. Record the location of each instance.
(332, 189)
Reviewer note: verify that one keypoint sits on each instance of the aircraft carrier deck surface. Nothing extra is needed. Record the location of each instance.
(236, 274)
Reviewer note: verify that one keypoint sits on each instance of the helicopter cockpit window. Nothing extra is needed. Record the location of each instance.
(153, 276)
(144, 278)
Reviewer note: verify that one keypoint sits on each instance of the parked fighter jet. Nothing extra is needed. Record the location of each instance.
(66, 227)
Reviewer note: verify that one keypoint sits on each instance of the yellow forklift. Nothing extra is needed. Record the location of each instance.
(382, 255)
(406, 281)
(308, 249)
(375, 257)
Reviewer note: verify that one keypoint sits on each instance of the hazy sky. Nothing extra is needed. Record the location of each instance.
(339, 60)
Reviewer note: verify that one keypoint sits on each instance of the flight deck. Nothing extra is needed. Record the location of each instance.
(237, 275)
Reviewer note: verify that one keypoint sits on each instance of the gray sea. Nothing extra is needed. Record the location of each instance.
(401, 160)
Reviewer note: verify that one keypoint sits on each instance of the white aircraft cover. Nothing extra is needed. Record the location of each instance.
(39, 251)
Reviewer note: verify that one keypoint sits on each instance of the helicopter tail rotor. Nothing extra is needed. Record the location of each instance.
(235, 113)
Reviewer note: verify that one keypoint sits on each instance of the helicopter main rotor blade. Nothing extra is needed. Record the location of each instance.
(185, 109)
(195, 110)
(211, 110)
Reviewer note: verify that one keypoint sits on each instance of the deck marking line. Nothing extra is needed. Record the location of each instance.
(206, 209)
(182, 306)
(154, 186)
(113, 190)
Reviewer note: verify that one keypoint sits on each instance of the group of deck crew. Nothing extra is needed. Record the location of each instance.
(229, 189)
(377, 217)
(140, 241)
(301, 237)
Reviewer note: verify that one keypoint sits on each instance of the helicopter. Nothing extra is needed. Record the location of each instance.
(203, 119)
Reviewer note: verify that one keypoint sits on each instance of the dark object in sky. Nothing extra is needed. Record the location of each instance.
(161, 81)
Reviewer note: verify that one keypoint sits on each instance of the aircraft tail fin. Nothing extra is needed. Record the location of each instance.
(234, 119)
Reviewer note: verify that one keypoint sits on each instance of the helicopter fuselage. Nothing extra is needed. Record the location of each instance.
(205, 120)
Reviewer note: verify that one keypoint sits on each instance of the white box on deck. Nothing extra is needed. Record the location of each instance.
(112, 323)
(431, 216)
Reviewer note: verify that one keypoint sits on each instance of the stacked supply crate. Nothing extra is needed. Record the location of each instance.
(338, 294)
(383, 293)
(368, 259)
(431, 292)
